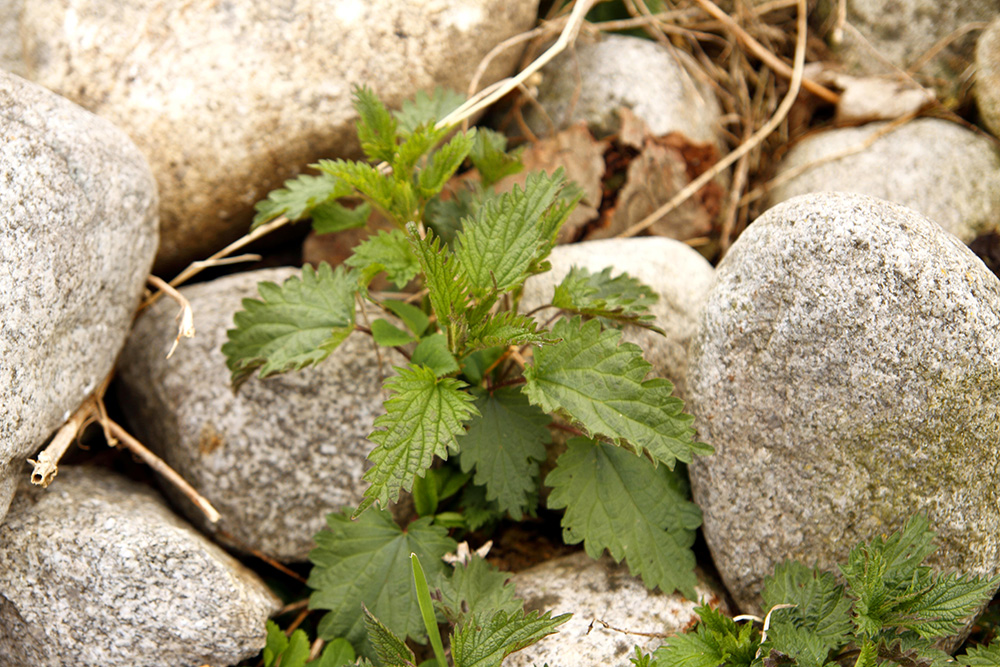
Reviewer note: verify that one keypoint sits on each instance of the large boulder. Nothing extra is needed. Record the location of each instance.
(679, 275)
(847, 372)
(77, 238)
(96, 571)
(935, 167)
(228, 99)
(612, 612)
(987, 88)
(275, 457)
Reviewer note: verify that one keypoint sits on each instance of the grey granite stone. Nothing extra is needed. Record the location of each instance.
(275, 457)
(77, 238)
(847, 372)
(660, 86)
(677, 273)
(987, 88)
(598, 593)
(11, 51)
(935, 167)
(228, 99)
(96, 571)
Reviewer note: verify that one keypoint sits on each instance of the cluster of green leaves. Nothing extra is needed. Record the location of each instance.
(889, 611)
(483, 382)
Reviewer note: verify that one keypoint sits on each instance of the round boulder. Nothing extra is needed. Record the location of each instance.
(987, 88)
(847, 371)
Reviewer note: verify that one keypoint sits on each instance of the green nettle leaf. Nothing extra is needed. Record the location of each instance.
(432, 351)
(291, 652)
(621, 299)
(394, 197)
(376, 126)
(426, 109)
(981, 656)
(368, 562)
(414, 147)
(821, 619)
(299, 197)
(716, 641)
(504, 445)
(499, 246)
(444, 278)
(390, 649)
(600, 383)
(445, 217)
(294, 325)
(414, 318)
(337, 653)
(617, 501)
(504, 329)
(389, 250)
(484, 641)
(389, 335)
(330, 217)
(422, 419)
(444, 163)
(490, 158)
(476, 587)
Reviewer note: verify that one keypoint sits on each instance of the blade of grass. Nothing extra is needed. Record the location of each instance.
(427, 610)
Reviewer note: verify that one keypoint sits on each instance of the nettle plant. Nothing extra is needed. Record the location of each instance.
(483, 383)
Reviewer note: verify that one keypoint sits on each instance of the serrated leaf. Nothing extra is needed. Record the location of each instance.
(716, 641)
(330, 217)
(600, 383)
(432, 352)
(390, 649)
(299, 197)
(425, 109)
(337, 653)
(415, 146)
(497, 247)
(504, 329)
(368, 562)
(943, 609)
(490, 158)
(389, 335)
(287, 651)
(485, 641)
(414, 318)
(504, 445)
(376, 126)
(444, 163)
(445, 216)
(390, 250)
(868, 657)
(693, 649)
(444, 277)
(821, 611)
(394, 197)
(294, 325)
(618, 501)
(478, 511)
(621, 298)
(981, 656)
(476, 587)
(422, 419)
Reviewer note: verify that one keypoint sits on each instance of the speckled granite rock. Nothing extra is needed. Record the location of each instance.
(987, 88)
(935, 167)
(277, 456)
(96, 571)
(903, 31)
(847, 371)
(595, 591)
(631, 72)
(677, 273)
(227, 99)
(77, 238)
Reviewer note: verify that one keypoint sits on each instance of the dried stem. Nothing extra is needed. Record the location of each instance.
(46, 466)
(186, 315)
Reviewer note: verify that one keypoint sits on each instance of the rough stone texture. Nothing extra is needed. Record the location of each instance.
(595, 591)
(11, 52)
(987, 88)
(627, 72)
(903, 31)
(847, 372)
(277, 456)
(96, 571)
(77, 238)
(934, 167)
(228, 99)
(677, 273)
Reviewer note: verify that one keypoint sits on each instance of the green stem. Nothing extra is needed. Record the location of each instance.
(427, 610)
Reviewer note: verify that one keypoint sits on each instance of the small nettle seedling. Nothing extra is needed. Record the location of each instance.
(483, 382)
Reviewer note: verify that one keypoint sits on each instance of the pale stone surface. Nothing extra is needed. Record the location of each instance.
(278, 455)
(11, 52)
(595, 591)
(96, 571)
(77, 238)
(228, 99)
(938, 168)
(677, 273)
(902, 32)
(987, 88)
(621, 71)
(847, 372)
